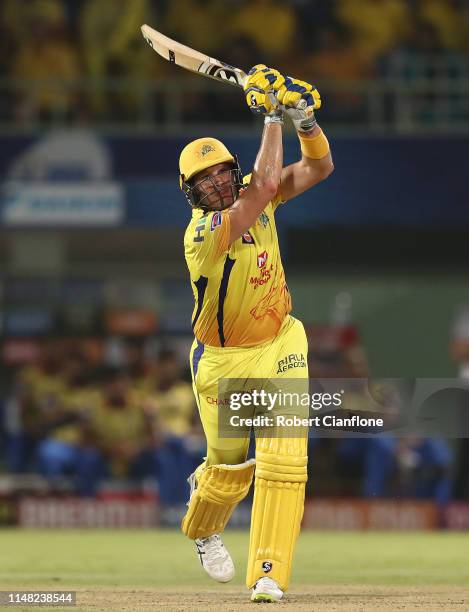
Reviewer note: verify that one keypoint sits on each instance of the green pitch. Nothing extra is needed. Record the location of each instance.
(109, 566)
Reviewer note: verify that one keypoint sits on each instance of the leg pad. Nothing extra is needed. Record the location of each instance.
(281, 474)
(219, 490)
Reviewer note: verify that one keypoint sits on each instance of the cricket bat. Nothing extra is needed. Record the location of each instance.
(195, 61)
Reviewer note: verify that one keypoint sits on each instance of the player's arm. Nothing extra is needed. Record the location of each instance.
(316, 163)
(265, 179)
(264, 183)
(304, 174)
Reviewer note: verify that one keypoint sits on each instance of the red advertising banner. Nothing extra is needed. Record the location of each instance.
(327, 514)
(132, 322)
(360, 515)
(75, 512)
(17, 352)
(456, 516)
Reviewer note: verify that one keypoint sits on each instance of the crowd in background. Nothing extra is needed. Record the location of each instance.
(84, 42)
(127, 418)
(79, 420)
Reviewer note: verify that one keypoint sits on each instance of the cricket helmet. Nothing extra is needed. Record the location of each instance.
(199, 155)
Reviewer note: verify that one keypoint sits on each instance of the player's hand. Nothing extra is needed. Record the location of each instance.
(299, 99)
(260, 89)
(291, 93)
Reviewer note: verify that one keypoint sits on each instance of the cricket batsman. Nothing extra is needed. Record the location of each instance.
(243, 328)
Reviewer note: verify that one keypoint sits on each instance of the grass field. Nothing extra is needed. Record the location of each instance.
(158, 570)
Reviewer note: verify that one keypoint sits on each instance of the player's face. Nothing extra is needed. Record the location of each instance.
(215, 187)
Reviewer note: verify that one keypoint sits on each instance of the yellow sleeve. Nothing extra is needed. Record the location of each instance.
(207, 240)
(275, 201)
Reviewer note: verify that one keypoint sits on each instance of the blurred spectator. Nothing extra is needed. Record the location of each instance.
(116, 440)
(445, 16)
(73, 10)
(408, 467)
(201, 24)
(46, 55)
(314, 16)
(376, 26)
(336, 60)
(177, 447)
(269, 23)
(113, 48)
(143, 365)
(34, 389)
(171, 400)
(130, 353)
(59, 453)
(13, 28)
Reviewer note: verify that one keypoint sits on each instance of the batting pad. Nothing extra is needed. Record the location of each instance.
(219, 490)
(277, 510)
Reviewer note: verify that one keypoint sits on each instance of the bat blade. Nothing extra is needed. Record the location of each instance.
(190, 59)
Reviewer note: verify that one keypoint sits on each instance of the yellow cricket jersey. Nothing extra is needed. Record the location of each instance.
(173, 408)
(241, 297)
(77, 403)
(114, 427)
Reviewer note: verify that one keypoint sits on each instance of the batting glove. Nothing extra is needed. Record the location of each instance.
(260, 89)
(300, 100)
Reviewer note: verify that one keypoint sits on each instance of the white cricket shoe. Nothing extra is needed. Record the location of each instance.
(215, 559)
(266, 590)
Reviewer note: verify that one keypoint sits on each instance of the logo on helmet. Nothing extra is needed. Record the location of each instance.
(206, 149)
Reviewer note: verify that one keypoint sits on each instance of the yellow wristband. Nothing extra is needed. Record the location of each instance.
(314, 148)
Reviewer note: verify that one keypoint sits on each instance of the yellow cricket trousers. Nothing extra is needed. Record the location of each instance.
(285, 356)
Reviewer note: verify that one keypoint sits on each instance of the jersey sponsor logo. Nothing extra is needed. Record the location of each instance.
(264, 219)
(246, 238)
(216, 220)
(199, 228)
(262, 259)
(206, 149)
(264, 276)
(217, 401)
(294, 360)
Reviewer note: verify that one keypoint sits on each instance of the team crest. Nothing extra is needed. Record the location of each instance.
(206, 149)
(262, 259)
(216, 220)
(247, 238)
(264, 219)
